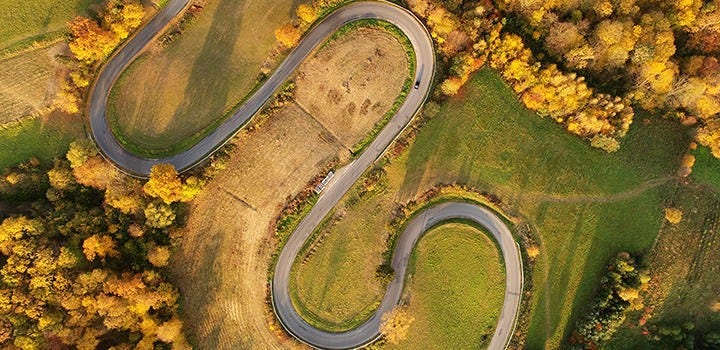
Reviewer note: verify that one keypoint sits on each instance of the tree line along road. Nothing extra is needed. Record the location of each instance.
(425, 67)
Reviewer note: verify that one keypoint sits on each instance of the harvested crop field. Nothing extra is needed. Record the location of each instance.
(28, 83)
(221, 266)
(343, 97)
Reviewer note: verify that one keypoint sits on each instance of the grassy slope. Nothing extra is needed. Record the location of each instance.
(707, 168)
(169, 96)
(453, 267)
(24, 19)
(586, 204)
(38, 138)
(685, 261)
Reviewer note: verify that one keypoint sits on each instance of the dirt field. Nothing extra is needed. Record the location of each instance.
(221, 266)
(346, 99)
(173, 93)
(28, 82)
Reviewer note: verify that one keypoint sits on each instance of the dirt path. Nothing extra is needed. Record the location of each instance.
(610, 198)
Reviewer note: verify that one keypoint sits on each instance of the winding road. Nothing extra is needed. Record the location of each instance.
(425, 67)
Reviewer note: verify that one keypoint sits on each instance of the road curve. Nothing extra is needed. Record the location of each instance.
(140, 166)
(370, 330)
(425, 67)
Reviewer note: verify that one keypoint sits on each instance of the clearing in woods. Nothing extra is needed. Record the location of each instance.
(222, 263)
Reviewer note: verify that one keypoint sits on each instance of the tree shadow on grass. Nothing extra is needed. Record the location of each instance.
(204, 98)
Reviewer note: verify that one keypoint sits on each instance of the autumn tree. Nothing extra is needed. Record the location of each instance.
(306, 13)
(122, 17)
(288, 35)
(159, 215)
(67, 100)
(61, 177)
(170, 331)
(99, 246)
(395, 325)
(90, 42)
(617, 293)
(159, 256)
(125, 196)
(96, 172)
(164, 183)
(673, 215)
(80, 151)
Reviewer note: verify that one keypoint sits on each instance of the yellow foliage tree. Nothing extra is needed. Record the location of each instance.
(307, 13)
(164, 183)
(123, 17)
(123, 197)
(533, 252)
(451, 86)
(90, 42)
(287, 35)
(96, 172)
(709, 135)
(67, 100)
(395, 325)
(170, 331)
(159, 215)
(80, 151)
(99, 246)
(159, 256)
(673, 215)
(61, 178)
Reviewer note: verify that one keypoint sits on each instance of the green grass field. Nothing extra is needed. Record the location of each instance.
(170, 97)
(455, 289)
(37, 138)
(324, 286)
(25, 20)
(684, 266)
(707, 168)
(586, 205)
(684, 262)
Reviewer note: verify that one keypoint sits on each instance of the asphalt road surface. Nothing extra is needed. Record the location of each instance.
(370, 330)
(425, 66)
